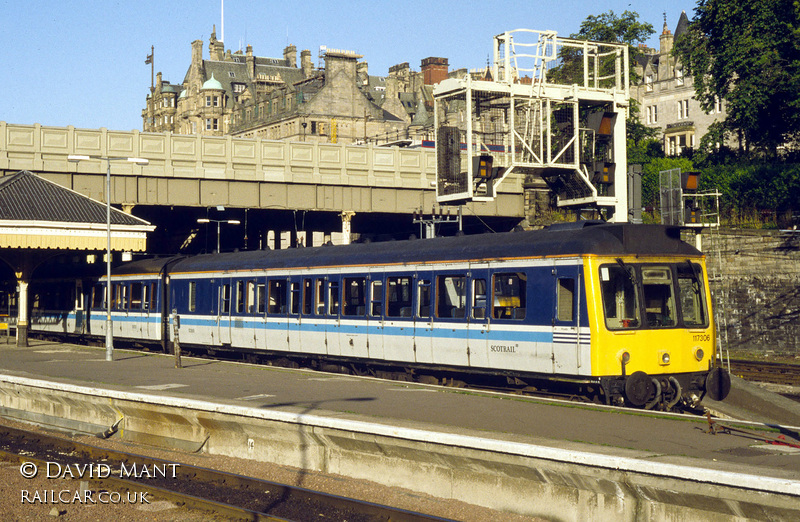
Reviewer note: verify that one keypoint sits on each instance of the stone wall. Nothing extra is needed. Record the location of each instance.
(755, 282)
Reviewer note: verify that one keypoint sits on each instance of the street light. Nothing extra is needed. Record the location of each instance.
(75, 158)
(219, 222)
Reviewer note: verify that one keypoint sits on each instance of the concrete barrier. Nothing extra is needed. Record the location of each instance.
(536, 480)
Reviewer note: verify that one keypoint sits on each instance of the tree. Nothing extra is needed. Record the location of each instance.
(748, 55)
(609, 27)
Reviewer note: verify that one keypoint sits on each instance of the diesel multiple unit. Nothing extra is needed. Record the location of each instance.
(619, 311)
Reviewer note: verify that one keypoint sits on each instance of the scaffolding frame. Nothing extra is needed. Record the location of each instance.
(568, 132)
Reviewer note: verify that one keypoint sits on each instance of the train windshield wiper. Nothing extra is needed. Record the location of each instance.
(628, 270)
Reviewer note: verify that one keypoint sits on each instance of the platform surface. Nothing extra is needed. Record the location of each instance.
(654, 436)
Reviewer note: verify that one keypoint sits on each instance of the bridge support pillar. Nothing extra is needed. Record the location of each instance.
(347, 216)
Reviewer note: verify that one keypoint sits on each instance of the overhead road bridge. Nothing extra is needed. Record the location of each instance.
(203, 172)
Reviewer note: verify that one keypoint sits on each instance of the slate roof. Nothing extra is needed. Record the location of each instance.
(271, 67)
(683, 25)
(25, 196)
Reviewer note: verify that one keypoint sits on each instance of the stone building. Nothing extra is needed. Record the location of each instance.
(244, 95)
(666, 96)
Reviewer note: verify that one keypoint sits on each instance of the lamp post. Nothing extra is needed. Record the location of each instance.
(219, 223)
(75, 158)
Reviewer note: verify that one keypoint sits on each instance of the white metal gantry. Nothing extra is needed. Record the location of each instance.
(549, 108)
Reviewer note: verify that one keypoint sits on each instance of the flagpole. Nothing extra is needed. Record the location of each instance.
(152, 68)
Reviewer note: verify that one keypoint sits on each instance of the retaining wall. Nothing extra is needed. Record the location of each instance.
(543, 481)
(755, 280)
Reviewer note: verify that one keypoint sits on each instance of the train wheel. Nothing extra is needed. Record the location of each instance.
(718, 383)
(639, 388)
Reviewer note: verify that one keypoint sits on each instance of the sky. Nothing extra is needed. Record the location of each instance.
(82, 63)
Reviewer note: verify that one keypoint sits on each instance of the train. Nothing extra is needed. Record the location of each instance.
(620, 312)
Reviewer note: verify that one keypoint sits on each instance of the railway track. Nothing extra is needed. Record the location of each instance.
(99, 471)
(771, 372)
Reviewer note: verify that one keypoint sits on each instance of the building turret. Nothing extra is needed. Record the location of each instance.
(216, 49)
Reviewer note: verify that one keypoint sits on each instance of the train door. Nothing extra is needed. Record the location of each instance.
(398, 325)
(478, 317)
(122, 324)
(450, 330)
(353, 337)
(80, 317)
(277, 314)
(224, 312)
(260, 313)
(423, 318)
(141, 294)
(312, 310)
(137, 319)
(332, 317)
(242, 323)
(295, 321)
(375, 323)
(566, 347)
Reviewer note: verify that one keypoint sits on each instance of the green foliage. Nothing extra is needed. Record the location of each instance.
(607, 27)
(650, 176)
(748, 55)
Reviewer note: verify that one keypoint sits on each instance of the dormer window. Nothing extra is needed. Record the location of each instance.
(648, 83)
(679, 75)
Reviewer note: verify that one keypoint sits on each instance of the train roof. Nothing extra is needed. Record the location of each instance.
(153, 265)
(566, 240)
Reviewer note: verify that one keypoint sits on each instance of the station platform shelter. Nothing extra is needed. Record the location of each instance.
(40, 220)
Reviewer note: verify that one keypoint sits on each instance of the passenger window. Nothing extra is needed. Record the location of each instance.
(320, 297)
(308, 296)
(451, 296)
(376, 305)
(479, 298)
(565, 299)
(251, 297)
(294, 298)
(261, 298)
(225, 299)
(509, 300)
(620, 300)
(122, 296)
(153, 296)
(192, 296)
(99, 296)
(136, 296)
(354, 296)
(277, 296)
(398, 296)
(333, 298)
(424, 298)
(692, 295)
(240, 304)
(658, 299)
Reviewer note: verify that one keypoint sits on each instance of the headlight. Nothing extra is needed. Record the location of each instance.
(664, 359)
(699, 354)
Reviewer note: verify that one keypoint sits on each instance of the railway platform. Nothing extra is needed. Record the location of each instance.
(543, 458)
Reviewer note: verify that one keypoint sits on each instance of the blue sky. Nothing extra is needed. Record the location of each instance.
(81, 63)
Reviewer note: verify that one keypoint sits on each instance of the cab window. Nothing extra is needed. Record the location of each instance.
(659, 301)
(620, 298)
(692, 295)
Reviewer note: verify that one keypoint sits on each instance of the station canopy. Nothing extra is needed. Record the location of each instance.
(36, 213)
